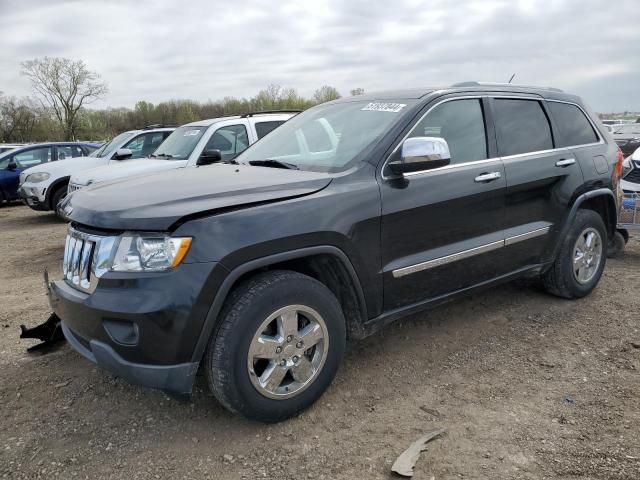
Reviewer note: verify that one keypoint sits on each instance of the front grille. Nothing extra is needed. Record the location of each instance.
(633, 176)
(73, 187)
(85, 259)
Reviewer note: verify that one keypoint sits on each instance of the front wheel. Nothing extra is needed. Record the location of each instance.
(56, 198)
(278, 346)
(581, 258)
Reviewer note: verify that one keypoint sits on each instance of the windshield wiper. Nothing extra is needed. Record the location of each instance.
(161, 155)
(274, 164)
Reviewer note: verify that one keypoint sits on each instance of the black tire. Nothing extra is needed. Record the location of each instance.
(560, 279)
(616, 245)
(248, 306)
(56, 198)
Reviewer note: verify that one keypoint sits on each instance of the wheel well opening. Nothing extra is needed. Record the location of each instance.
(331, 272)
(605, 208)
(55, 188)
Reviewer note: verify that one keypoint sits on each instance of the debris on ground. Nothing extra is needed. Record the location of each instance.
(49, 332)
(406, 461)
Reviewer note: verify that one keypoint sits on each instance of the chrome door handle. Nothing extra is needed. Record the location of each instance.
(488, 177)
(565, 162)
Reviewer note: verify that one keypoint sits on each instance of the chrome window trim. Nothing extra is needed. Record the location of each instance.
(534, 97)
(454, 257)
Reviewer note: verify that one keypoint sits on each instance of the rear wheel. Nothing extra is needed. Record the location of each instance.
(581, 259)
(278, 346)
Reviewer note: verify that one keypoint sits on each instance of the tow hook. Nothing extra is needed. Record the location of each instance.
(49, 332)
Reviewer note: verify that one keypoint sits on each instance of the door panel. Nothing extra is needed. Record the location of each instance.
(444, 224)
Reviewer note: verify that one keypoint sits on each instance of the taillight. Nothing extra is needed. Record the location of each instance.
(619, 163)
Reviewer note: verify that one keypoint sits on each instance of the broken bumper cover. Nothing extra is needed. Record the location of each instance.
(141, 328)
(170, 378)
(31, 200)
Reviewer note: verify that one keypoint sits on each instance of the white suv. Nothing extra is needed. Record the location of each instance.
(186, 145)
(43, 186)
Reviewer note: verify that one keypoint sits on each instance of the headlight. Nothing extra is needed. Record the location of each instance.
(626, 166)
(37, 177)
(148, 253)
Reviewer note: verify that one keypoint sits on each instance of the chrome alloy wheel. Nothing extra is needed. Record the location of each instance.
(587, 255)
(288, 351)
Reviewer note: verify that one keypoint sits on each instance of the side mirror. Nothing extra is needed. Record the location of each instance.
(421, 153)
(208, 157)
(12, 165)
(122, 154)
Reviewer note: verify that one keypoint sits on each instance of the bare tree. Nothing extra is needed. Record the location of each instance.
(17, 119)
(326, 93)
(64, 85)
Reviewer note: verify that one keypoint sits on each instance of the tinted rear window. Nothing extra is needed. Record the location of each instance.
(262, 128)
(573, 126)
(522, 126)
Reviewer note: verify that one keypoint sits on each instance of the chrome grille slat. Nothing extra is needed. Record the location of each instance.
(85, 259)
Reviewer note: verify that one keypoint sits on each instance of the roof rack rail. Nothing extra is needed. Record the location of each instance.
(251, 114)
(159, 125)
(498, 84)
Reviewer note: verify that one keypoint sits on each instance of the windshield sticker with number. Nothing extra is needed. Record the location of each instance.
(191, 133)
(384, 107)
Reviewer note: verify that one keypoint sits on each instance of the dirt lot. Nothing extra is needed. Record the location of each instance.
(527, 385)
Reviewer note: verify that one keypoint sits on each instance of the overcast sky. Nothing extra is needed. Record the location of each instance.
(205, 50)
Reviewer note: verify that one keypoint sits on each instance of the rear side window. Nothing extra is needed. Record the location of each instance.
(262, 128)
(522, 126)
(573, 126)
(461, 124)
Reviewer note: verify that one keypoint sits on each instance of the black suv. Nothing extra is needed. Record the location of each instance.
(349, 216)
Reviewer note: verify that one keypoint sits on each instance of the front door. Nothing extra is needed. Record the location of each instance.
(442, 229)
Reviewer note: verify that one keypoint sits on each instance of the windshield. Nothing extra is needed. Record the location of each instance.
(110, 147)
(180, 144)
(327, 138)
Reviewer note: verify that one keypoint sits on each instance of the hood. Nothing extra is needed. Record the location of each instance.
(65, 167)
(124, 169)
(156, 202)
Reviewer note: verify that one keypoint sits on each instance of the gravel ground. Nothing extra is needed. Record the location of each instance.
(527, 386)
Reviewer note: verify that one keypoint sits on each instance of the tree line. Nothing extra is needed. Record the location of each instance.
(63, 88)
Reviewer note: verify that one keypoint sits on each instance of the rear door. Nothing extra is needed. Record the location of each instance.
(442, 229)
(541, 178)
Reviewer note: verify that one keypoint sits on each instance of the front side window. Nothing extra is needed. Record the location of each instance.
(109, 148)
(329, 137)
(262, 128)
(230, 140)
(180, 144)
(461, 124)
(521, 126)
(145, 144)
(573, 127)
(32, 157)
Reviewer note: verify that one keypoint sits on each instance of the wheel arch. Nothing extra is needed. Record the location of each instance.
(602, 201)
(57, 184)
(327, 264)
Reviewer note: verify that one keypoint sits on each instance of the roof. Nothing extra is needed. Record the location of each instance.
(46, 144)
(211, 121)
(416, 93)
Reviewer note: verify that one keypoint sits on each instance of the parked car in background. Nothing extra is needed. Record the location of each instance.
(43, 186)
(627, 137)
(197, 143)
(631, 173)
(349, 216)
(15, 161)
(5, 147)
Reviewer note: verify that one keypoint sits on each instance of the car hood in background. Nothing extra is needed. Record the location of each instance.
(122, 169)
(157, 202)
(65, 167)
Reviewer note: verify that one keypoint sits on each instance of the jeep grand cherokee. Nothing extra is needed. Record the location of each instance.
(349, 216)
